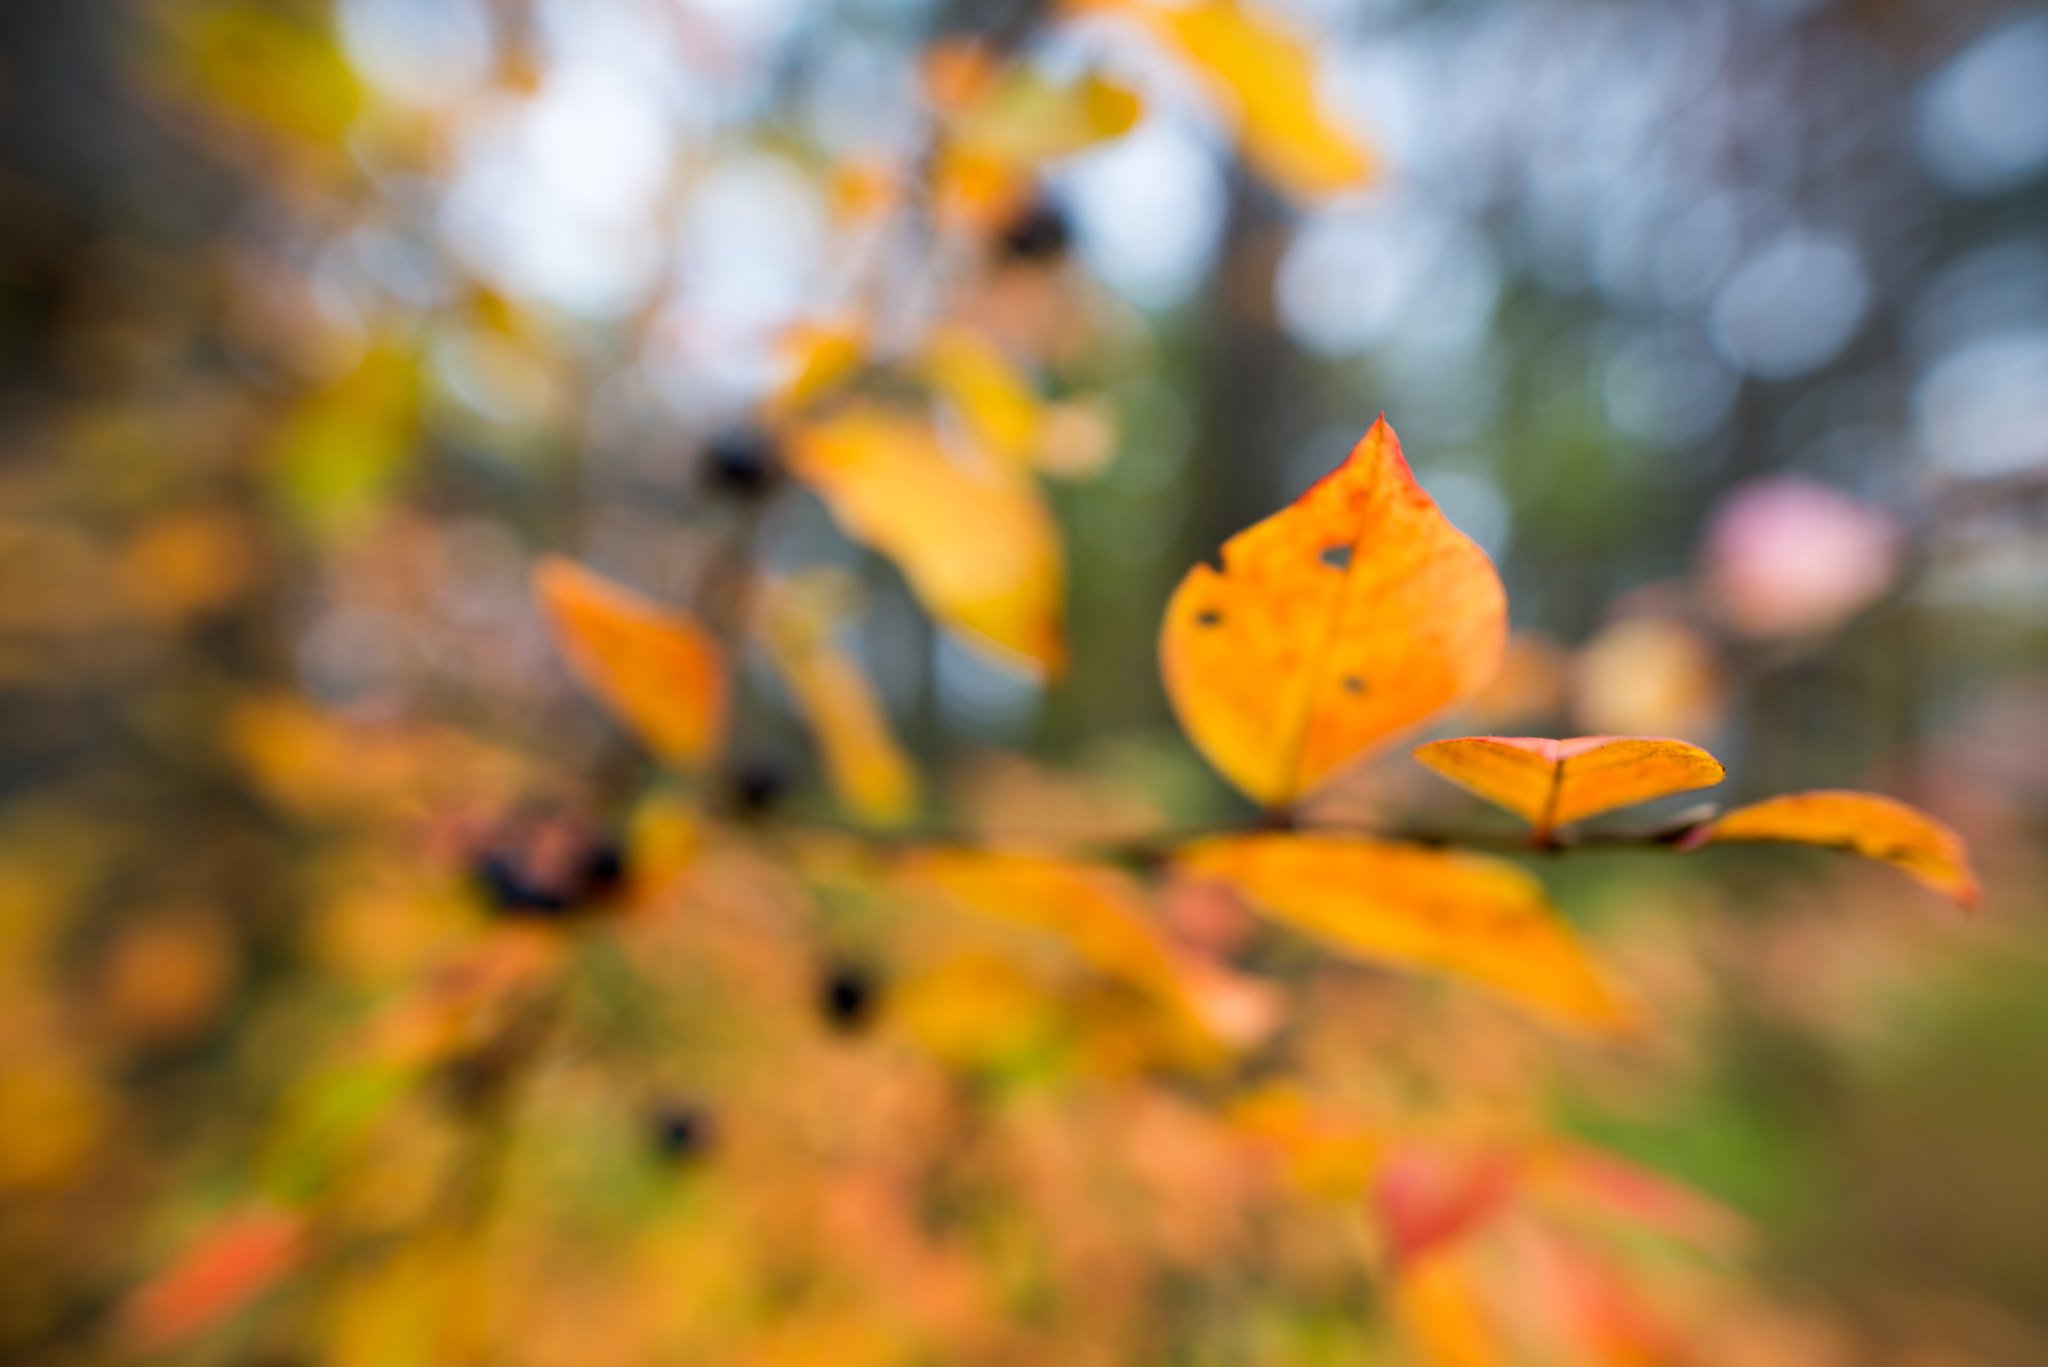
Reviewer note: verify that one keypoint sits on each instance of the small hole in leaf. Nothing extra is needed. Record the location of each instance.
(1336, 557)
(1208, 617)
(1353, 684)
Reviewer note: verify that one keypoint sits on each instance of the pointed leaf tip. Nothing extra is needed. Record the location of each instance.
(1552, 783)
(1875, 827)
(1352, 614)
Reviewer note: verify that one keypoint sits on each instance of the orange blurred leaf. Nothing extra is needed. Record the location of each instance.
(1269, 76)
(1097, 910)
(1553, 783)
(976, 543)
(219, 1272)
(1471, 918)
(1861, 823)
(1440, 1313)
(1354, 613)
(657, 671)
(867, 769)
(1428, 1198)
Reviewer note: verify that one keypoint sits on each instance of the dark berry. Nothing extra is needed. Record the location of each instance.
(681, 1133)
(742, 462)
(847, 998)
(757, 785)
(1040, 233)
(513, 893)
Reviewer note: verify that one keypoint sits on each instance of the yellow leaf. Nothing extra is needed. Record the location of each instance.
(337, 454)
(866, 768)
(978, 546)
(817, 360)
(1021, 118)
(260, 61)
(1269, 76)
(993, 397)
(1350, 615)
(1861, 823)
(659, 672)
(1552, 783)
(1468, 917)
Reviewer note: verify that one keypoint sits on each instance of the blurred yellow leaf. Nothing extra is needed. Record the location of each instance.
(978, 545)
(1022, 118)
(1355, 612)
(188, 564)
(867, 769)
(336, 455)
(994, 398)
(1267, 77)
(1552, 783)
(1471, 918)
(659, 672)
(267, 62)
(1860, 823)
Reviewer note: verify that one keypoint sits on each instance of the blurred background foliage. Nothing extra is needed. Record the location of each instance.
(1721, 324)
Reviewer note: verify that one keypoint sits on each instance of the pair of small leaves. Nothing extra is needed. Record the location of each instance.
(1551, 783)
(663, 676)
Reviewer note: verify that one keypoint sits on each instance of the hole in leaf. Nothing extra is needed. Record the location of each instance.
(1208, 617)
(1353, 684)
(1336, 557)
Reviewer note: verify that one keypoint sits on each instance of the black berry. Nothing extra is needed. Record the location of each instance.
(742, 462)
(848, 997)
(1040, 233)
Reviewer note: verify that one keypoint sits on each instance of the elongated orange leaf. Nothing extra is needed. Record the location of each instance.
(659, 672)
(1097, 910)
(221, 1271)
(1861, 823)
(976, 543)
(1339, 620)
(1471, 918)
(1552, 783)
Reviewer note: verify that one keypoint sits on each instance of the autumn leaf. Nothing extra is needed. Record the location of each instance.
(1440, 1312)
(219, 1272)
(1098, 911)
(976, 543)
(1553, 783)
(1471, 918)
(1267, 76)
(866, 768)
(1428, 1197)
(659, 672)
(993, 398)
(1861, 823)
(1348, 616)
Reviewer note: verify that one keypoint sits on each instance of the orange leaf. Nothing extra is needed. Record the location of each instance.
(1429, 1198)
(1861, 823)
(224, 1269)
(977, 544)
(1097, 910)
(1354, 613)
(1552, 783)
(1469, 917)
(1440, 1312)
(867, 769)
(658, 672)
